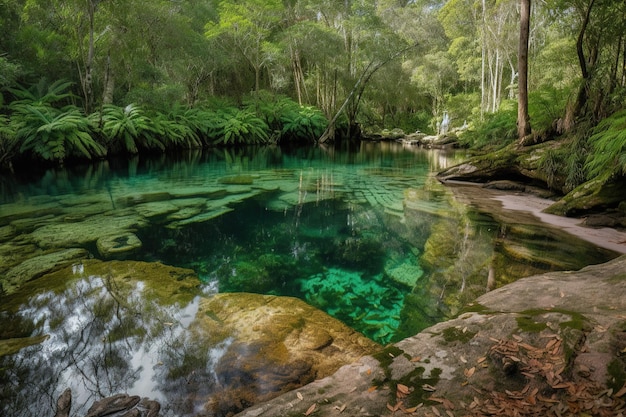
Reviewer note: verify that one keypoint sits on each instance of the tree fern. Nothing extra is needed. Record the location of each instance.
(608, 142)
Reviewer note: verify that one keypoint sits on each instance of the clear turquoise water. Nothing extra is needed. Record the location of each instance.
(342, 230)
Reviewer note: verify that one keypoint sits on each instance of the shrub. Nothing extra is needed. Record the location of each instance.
(54, 134)
(608, 145)
(241, 127)
(128, 129)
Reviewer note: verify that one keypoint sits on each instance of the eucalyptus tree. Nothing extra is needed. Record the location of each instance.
(485, 30)
(246, 28)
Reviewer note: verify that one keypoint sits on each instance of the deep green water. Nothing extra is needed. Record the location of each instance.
(365, 235)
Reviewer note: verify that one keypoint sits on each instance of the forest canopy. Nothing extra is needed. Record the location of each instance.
(90, 78)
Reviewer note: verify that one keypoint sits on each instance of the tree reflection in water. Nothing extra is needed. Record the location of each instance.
(103, 337)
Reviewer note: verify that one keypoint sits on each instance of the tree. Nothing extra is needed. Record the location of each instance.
(245, 27)
(523, 118)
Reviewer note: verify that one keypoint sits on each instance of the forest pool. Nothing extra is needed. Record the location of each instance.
(366, 235)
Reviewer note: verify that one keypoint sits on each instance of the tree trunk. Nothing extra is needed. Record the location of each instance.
(581, 99)
(523, 119)
(483, 95)
(88, 80)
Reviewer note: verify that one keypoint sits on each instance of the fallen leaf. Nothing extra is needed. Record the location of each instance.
(427, 387)
(300, 397)
(372, 388)
(517, 338)
(310, 410)
(390, 407)
(403, 389)
(410, 410)
(416, 359)
(621, 392)
(469, 372)
(481, 360)
(340, 409)
(463, 359)
(437, 413)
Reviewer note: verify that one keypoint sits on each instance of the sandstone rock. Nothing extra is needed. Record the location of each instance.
(118, 246)
(277, 344)
(112, 405)
(39, 265)
(68, 235)
(64, 404)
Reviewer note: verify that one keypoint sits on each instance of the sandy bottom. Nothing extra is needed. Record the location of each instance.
(513, 206)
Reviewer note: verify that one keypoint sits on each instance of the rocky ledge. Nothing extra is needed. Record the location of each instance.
(551, 344)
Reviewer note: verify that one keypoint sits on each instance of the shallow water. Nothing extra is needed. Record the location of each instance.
(364, 235)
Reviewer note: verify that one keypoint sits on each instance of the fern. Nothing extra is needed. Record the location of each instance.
(53, 134)
(608, 142)
(241, 128)
(128, 129)
(306, 123)
(42, 92)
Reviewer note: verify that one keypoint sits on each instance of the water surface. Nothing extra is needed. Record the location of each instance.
(364, 235)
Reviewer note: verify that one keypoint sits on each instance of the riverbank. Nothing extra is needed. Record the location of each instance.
(515, 205)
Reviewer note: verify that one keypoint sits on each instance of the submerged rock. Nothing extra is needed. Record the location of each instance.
(275, 344)
(116, 246)
(39, 265)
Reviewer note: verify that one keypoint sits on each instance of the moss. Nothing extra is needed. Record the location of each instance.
(527, 323)
(475, 308)
(237, 180)
(386, 356)
(617, 374)
(527, 320)
(617, 279)
(453, 334)
(578, 321)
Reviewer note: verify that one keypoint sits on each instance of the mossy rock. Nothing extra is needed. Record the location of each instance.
(37, 266)
(591, 196)
(118, 246)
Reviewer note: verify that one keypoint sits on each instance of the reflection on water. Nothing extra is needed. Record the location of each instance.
(364, 236)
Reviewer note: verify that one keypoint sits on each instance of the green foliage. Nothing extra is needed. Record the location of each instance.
(608, 142)
(305, 123)
(291, 121)
(54, 134)
(43, 92)
(545, 106)
(8, 141)
(128, 129)
(551, 164)
(497, 130)
(241, 128)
